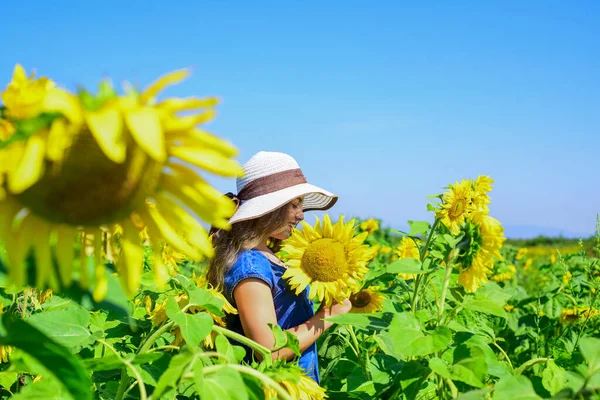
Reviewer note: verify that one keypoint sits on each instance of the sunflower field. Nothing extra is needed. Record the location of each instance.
(103, 253)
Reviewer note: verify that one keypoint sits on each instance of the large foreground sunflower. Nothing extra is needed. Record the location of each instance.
(327, 258)
(73, 166)
(367, 300)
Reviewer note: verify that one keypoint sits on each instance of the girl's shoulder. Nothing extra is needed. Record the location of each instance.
(249, 264)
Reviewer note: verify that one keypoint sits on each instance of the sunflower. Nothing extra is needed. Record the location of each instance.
(407, 249)
(456, 205)
(367, 300)
(328, 258)
(480, 198)
(298, 385)
(486, 236)
(573, 315)
(370, 225)
(5, 351)
(81, 164)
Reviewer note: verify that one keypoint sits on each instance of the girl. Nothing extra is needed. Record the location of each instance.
(272, 197)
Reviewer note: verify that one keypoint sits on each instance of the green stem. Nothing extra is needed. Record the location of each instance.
(129, 365)
(442, 303)
(153, 337)
(165, 347)
(283, 394)
(530, 364)
(265, 352)
(422, 254)
(356, 346)
(504, 353)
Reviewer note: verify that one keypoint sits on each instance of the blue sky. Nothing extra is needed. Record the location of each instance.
(382, 103)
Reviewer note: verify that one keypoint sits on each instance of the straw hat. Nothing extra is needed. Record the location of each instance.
(271, 180)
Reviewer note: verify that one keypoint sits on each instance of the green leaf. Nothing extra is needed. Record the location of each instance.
(279, 336)
(111, 362)
(412, 376)
(553, 377)
(469, 365)
(65, 326)
(194, 327)
(203, 298)
(224, 383)
(418, 228)
(481, 394)
(405, 266)
(47, 389)
(515, 388)
(408, 340)
(59, 361)
(225, 348)
(170, 377)
(373, 321)
(487, 300)
(8, 378)
(590, 349)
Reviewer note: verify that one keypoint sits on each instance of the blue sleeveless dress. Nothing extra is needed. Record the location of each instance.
(291, 309)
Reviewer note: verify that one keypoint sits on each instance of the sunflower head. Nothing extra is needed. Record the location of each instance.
(327, 258)
(291, 377)
(367, 300)
(456, 205)
(73, 164)
(370, 225)
(479, 247)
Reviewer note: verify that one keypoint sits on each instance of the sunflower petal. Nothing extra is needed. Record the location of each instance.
(61, 101)
(100, 279)
(177, 104)
(131, 264)
(31, 167)
(172, 123)
(144, 125)
(200, 138)
(169, 79)
(208, 160)
(107, 128)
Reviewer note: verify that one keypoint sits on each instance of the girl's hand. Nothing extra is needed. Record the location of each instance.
(337, 309)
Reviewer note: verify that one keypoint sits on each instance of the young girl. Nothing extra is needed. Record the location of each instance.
(272, 197)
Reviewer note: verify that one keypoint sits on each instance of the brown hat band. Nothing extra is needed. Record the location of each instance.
(271, 183)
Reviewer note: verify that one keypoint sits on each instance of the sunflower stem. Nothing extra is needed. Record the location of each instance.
(422, 255)
(265, 352)
(442, 303)
(356, 347)
(129, 365)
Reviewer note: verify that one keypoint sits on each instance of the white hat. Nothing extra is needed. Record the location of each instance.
(271, 180)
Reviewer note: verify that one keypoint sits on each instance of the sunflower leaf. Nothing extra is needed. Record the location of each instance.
(194, 327)
(405, 266)
(418, 228)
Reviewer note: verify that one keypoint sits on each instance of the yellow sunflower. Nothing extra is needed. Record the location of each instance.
(298, 385)
(327, 258)
(486, 237)
(407, 249)
(573, 315)
(82, 163)
(456, 205)
(367, 301)
(481, 187)
(370, 225)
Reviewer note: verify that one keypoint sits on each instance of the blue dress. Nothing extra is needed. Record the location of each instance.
(291, 309)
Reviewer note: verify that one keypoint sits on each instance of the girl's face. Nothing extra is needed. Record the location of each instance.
(294, 215)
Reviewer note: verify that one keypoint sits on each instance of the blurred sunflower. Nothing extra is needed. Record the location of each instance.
(370, 225)
(485, 237)
(367, 300)
(456, 205)
(298, 385)
(407, 249)
(80, 163)
(573, 315)
(329, 259)
(481, 187)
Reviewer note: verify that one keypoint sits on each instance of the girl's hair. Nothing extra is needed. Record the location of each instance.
(243, 235)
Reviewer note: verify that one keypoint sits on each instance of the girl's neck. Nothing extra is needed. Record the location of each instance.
(263, 247)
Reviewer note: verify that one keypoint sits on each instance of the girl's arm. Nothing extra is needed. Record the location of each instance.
(256, 309)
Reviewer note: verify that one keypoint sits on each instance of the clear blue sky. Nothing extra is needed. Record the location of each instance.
(382, 103)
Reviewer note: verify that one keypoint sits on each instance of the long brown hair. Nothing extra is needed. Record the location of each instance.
(243, 235)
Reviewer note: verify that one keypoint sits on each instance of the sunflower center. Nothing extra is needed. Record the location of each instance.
(361, 299)
(325, 260)
(458, 208)
(87, 188)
